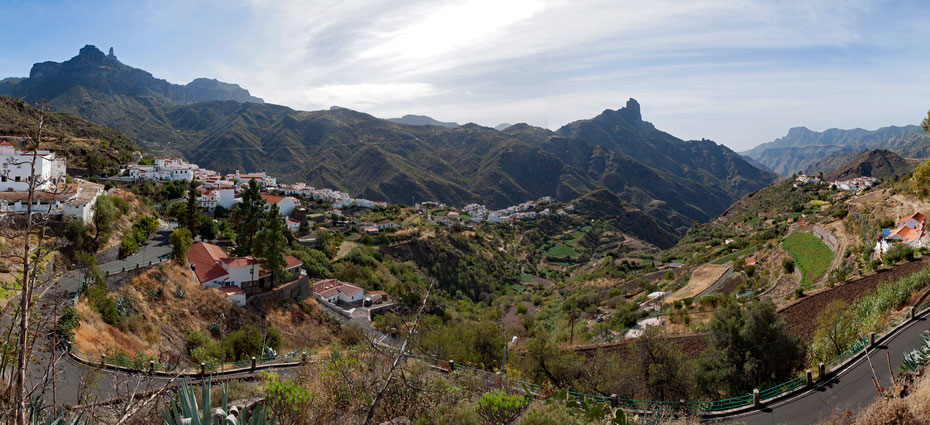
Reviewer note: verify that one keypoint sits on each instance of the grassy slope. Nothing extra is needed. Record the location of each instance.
(810, 254)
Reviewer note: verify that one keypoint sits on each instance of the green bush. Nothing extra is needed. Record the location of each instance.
(98, 297)
(496, 407)
(892, 295)
(897, 253)
(787, 264)
(69, 320)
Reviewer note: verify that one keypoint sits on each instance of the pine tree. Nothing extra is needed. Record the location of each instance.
(246, 217)
(192, 210)
(270, 244)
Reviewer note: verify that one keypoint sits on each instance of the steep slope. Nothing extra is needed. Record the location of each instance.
(801, 146)
(69, 135)
(878, 163)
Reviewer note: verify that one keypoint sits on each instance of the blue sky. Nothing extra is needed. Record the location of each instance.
(739, 72)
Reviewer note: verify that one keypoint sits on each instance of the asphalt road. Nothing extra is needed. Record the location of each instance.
(69, 374)
(848, 391)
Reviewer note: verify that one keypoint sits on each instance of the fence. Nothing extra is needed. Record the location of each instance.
(710, 406)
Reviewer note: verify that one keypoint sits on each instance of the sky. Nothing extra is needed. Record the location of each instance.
(739, 72)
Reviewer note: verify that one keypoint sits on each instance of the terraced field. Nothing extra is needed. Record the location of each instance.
(811, 256)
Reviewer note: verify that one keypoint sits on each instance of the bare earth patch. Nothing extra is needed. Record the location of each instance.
(701, 279)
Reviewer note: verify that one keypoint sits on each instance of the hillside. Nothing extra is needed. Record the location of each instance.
(878, 163)
(801, 147)
(661, 175)
(69, 135)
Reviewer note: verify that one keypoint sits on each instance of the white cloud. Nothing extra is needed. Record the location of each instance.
(691, 64)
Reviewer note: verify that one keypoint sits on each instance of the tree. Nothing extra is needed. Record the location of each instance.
(920, 181)
(104, 216)
(246, 217)
(181, 241)
(177, 211)
(192, 209)
(925, 124)
(269, 244)
(836, 331)
(749, 347)
(661, 366)
(209, 229)
(314, 262)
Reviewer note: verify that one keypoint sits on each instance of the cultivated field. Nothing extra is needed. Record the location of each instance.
(810, 254)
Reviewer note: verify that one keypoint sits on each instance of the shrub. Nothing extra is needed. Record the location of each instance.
(496, 407)
(128, 246)
(98, 297)
(69, 320)
(787, 264)
(897, 253)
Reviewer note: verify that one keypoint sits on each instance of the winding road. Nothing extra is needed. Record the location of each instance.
(848, 390)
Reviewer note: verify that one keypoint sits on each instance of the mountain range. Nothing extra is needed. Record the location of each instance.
(222, 127)
(801, 147)
(422, 120)
(878, 163)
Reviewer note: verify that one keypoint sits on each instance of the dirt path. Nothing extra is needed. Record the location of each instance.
(842, 242)
(702, 278)
(344, 249)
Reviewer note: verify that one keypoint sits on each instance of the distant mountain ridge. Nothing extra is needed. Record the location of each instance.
(673, 180)
(801, 146)
(877, 163)
(421, 120)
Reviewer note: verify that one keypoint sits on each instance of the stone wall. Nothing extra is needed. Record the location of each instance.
(296, 290)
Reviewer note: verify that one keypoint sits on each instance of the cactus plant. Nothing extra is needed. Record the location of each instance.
(187, 411)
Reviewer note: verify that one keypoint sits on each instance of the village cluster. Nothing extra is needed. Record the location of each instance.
(910, 230)
(857, 185)
(242, 277)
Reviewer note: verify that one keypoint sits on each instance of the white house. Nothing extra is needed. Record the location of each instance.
(16, 167)
(381, 225)
(226, 197)
(334, 291)
(69, 200)
(216, 269)
(286, 204)
(293, 225)
(235, 294)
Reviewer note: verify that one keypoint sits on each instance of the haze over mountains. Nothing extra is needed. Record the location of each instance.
(221, 126)
(802, 147)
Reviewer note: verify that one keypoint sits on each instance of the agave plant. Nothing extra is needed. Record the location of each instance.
(187, 411)
(917, 357)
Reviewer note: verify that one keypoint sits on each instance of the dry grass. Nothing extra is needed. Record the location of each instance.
(159, 325)
(702, 278)
(913, 409)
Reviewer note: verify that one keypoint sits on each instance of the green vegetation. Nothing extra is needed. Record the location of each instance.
(181, 241)
(238, 345)
(496, 407)
(836, 331)
(811, 255)
(870, 310)
(742, 355)
(141, 231)
(559, 251)
(732, 256)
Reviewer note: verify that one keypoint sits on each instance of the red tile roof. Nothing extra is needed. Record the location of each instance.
(918, 217)
(5, 143)
(239, 261)
(330, 287)
(232, 290)
(272, 199)
(206, 259)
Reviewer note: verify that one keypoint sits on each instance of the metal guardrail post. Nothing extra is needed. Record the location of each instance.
(871, 339)
(821, 371)
(303, 358)
(103, 361)
(809, 376)
(203, 368)
(913, 313)
(755, 398)
(451, 366)
(152, 367)
(682, 406)
(253, 362)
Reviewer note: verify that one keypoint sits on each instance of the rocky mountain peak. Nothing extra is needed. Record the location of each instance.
(632, 109)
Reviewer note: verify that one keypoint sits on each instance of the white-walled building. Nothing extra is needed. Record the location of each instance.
(334, 291)
(286, 204)
(216, 269)
(16, 167)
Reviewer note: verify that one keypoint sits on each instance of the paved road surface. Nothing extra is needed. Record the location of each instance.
(850, 390)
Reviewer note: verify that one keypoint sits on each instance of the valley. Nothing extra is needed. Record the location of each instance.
(305, 257)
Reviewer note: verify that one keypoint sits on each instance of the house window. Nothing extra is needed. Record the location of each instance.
(3, 179)
(17, 178)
